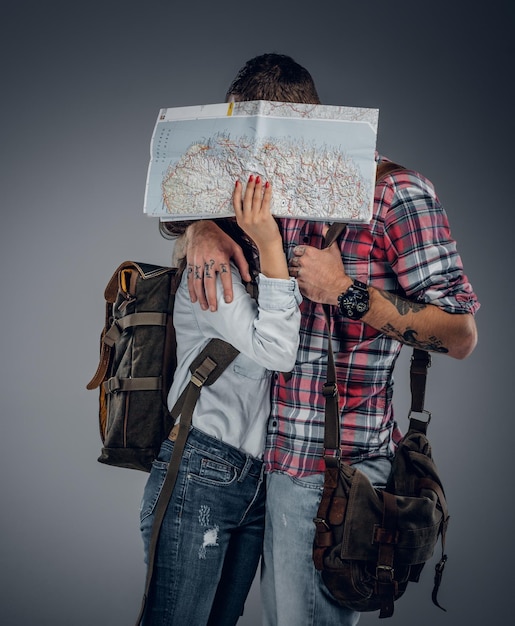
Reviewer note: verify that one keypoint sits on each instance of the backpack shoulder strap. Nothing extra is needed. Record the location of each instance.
(330, 389)
(420, 362)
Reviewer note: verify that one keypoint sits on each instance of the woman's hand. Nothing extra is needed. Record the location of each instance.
(252, 210)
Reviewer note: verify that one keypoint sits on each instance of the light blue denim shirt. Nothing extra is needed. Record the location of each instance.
(236, 407)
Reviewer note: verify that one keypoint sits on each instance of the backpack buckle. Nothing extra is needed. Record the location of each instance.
(321, 524)
(419, 421)
(201, 374)
(329, 390)
(385, 573)
(112, 385)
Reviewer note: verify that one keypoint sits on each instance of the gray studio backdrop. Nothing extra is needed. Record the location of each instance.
(81, 87)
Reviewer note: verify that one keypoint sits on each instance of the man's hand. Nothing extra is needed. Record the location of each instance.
(319, 273)
(322, 278)
(208, 252)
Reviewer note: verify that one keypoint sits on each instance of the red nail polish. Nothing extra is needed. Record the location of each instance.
(258, 180)
(251, 178)
(267, 184)
(236, 184)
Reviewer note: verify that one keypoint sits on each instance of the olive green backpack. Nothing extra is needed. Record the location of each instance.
(137, 364)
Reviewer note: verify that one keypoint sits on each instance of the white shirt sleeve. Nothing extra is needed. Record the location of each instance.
(267, 331)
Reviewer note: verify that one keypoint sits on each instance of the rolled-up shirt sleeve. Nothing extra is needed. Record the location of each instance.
(423, 253)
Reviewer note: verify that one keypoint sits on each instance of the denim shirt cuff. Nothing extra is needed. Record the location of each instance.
(278, 293)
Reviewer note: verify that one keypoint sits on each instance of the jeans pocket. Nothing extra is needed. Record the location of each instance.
(153, 488)
(314, 481)
(211, 469)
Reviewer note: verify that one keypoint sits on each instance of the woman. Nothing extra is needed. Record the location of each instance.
(211, 537)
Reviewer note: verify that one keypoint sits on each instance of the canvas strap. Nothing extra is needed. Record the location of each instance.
(205, 369)
(330, 389)
(420, 362)
(386, 585)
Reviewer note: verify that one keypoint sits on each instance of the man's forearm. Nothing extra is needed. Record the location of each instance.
(322, 278)
(419, 325)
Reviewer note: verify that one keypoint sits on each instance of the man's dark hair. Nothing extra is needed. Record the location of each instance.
(274, 77)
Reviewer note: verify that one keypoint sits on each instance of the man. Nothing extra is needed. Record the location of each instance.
(398, 280)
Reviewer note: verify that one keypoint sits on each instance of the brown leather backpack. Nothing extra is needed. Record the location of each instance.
(370, 543)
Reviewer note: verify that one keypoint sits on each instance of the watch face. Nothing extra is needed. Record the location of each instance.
(346, 309)
(354, 303)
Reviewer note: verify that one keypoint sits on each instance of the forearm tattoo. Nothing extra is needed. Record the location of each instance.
(402, 305)
(409, 337)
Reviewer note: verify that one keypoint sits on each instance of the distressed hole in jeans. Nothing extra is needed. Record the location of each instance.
(210, 541)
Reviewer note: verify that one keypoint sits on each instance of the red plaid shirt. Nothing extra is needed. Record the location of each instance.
(407, 249)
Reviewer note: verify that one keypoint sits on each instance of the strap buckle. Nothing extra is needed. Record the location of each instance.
(201, 374)
(197, 380)
(332, 454)
(439, 567)
(112, 385)
(329, 390)
(420, 416)
(385, 573)
(419, 421)
(321, 521)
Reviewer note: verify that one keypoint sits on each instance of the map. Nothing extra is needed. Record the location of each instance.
(319, 159)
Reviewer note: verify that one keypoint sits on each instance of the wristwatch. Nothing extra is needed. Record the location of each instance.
(354, 302)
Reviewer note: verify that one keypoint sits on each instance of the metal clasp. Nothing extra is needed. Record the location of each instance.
(320, 520)
(385, 570)
(329, 390)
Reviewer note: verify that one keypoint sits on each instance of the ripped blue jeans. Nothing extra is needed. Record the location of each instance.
(212, 534)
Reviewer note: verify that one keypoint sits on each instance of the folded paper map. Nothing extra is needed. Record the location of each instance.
(319, 159)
